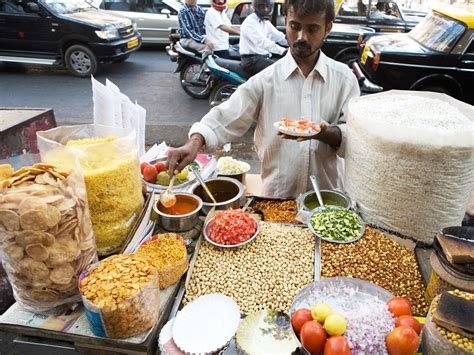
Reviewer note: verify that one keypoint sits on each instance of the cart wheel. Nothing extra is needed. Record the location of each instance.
(81, 61)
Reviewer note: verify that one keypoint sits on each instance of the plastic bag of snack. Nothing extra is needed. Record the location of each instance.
(46, 237)
(121, 295)
(109, 162)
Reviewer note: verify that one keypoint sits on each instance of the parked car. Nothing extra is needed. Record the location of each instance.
(437, 55)
(392, 18)
(64, 32)
(154, 18)
(341, 43)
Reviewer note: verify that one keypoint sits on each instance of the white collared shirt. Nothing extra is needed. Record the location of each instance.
(219, 38)
(281, 90)
(259, 37)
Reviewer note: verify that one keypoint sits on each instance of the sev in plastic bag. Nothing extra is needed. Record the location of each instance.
(46, 237)
(109, 162)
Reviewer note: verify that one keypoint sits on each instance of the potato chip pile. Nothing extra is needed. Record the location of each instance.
(45, 234)
(125, 290)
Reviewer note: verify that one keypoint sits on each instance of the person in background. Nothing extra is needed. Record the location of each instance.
(192, 31)
(361, 8)
(259, 38)
(305, 83)
(218, 28)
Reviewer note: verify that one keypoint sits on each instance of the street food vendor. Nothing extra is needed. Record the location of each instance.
(303, 84)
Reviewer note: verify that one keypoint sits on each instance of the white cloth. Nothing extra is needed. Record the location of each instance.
(281, 90)
(259, 37)
(219, 38)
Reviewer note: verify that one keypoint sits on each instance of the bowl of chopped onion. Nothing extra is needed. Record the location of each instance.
(232, 168)
(231, 228)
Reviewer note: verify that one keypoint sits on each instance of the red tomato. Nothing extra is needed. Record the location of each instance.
(402, 340)
(142, 166)
(300, 317)
(337, 345)
(399, 306)
(149, 173)
(160, 166)
(313, 337)
(409, 321)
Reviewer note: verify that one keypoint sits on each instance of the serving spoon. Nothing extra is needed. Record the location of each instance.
(316, 189)
(167, 197)
(203, 184)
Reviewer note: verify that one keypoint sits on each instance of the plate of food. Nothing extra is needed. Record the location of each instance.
(297, 128)
(155, 174)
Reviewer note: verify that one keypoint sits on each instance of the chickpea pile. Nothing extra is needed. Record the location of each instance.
(455, 338)
(264, 274)
(380, 260)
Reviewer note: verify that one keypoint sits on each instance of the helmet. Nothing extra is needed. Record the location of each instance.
(219, 5)
(264, 8)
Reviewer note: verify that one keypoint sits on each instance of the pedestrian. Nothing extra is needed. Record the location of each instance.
(192, 31)
(305, 83)
(259, 39)
(218, 28)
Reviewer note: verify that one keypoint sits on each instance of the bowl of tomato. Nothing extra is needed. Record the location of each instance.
(231, 228)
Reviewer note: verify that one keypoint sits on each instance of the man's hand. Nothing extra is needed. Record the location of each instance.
(178, 158)
(209, 44)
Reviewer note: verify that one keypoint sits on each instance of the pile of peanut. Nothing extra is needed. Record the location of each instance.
(380, 260)
(125, 289)
(264, 274)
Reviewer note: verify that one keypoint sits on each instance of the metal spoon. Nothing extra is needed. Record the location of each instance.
(316, 189)
(203, 184)
(167, 197)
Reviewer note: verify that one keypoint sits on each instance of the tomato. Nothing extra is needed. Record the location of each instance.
(300, 317)
(409, 321)
(402, 340)
(399, 306)
(142, 166)
(160, 166)
(313, 337)
(337, 345)
(149, 173)
(232, 227)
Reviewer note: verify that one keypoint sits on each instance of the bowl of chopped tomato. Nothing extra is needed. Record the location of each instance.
(231, 228)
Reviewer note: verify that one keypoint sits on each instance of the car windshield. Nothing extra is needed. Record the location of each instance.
(67, 6)
(438, 32)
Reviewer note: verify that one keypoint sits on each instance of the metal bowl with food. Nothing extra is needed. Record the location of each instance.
(308, 201)
(228, 193)
(336, 224)
(232, 168)
(182, 216)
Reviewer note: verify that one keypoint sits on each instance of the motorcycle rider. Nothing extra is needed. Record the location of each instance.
(218, 27)
(192, 30)
(259, 38)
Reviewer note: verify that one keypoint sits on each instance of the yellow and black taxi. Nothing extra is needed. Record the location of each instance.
(64, 32)
(437, 55)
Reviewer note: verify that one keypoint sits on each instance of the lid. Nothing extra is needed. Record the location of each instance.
(459, 280)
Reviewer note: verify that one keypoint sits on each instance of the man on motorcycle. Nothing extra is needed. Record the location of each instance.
(259, 38)
(192, 31)
(305, 83)
(218, 27)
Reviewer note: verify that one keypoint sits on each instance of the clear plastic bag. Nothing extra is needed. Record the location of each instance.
(46, 237)
(109, 161)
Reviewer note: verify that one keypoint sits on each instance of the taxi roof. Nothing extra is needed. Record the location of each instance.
(461, 13)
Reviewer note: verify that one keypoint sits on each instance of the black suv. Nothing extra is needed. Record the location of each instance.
(64, 32)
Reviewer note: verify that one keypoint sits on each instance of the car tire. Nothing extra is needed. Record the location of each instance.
(81, 61)
(187, 73)
(221, 92)
(122, 59)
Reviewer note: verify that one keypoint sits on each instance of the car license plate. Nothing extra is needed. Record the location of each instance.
(132, 44)
(365, 54)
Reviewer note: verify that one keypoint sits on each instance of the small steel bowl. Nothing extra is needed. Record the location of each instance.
(239, 176)
(335, 198)
(319, 209)
(206, 236)
(179, 222)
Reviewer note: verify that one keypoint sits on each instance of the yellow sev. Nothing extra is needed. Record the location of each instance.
(166, 250)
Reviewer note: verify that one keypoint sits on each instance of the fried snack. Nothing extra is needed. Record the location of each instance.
(168, 253)
(278, 211)
(124, 291)
(45, 235)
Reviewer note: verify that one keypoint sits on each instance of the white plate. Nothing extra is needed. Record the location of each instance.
(159, 188)
(293, 134)
(206, 324)
(206, 236)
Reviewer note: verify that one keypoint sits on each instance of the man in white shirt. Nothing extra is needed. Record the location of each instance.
(259, 38)
(218, 27)
(303, 84)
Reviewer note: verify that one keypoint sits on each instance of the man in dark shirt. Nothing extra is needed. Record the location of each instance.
(191, 27)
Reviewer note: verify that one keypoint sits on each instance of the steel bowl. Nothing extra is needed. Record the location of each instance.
(228, 192)
(206, 235)
(319, 209)
(179, 222)
(239, 176)
(333, 197)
